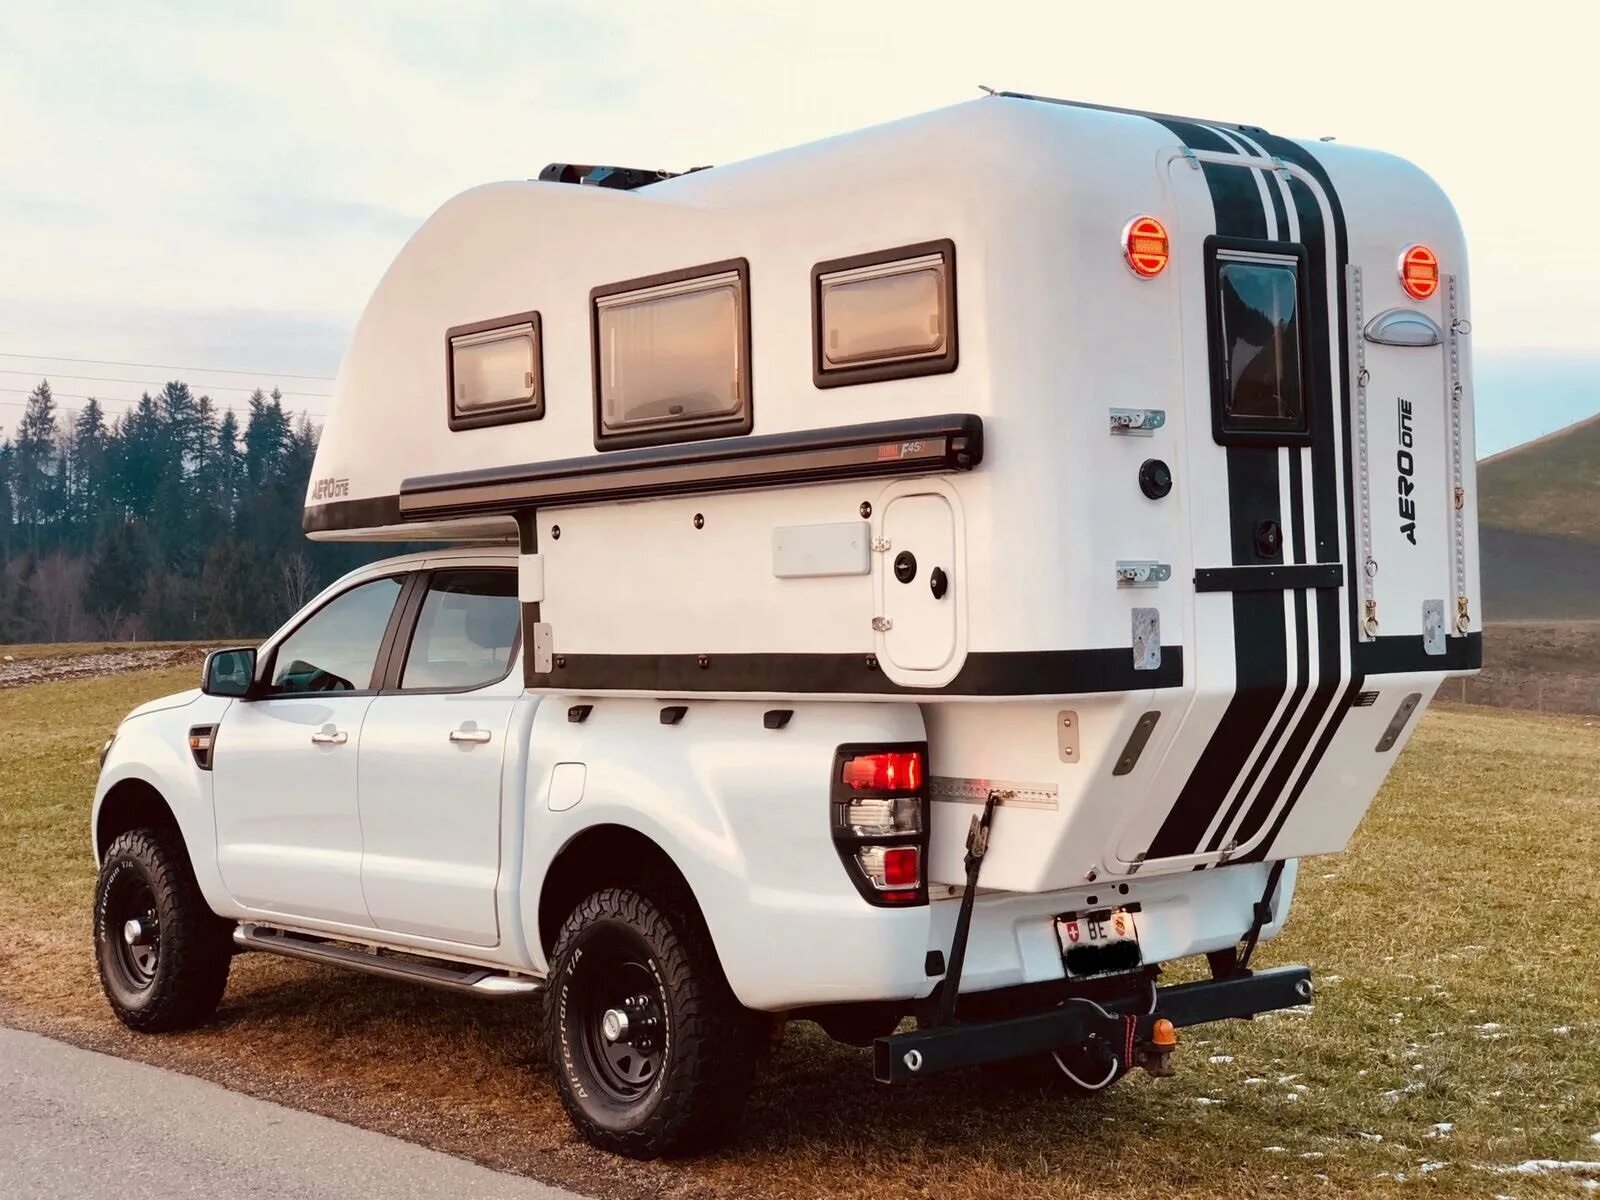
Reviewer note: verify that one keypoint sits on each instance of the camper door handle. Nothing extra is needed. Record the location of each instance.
(329, 737)
(476, 736)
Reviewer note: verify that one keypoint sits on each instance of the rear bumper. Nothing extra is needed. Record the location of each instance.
(903, 1057)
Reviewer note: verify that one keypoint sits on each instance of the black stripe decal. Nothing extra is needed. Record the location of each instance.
(1260, 635)
(1281, 779)
(984, 673)
(372, 513)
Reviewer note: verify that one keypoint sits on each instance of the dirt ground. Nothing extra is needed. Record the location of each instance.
(1452, 1050)
(43, 663)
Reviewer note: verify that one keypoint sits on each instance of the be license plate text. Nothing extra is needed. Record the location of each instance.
(1105, 942)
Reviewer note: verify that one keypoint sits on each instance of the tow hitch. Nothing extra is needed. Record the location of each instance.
(1146, 1039)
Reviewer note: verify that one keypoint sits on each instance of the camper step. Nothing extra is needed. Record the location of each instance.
(475, 981)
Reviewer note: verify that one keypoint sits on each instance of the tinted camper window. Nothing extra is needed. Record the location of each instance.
(672, 357)
(1257, 327)
(495, 371)
(886, 315)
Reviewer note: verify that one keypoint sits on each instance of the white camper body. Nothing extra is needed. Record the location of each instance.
(1232, 708)
(961, 566)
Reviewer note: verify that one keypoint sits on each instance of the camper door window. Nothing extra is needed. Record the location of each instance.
(1259, 381)
(494, 371)
(672, 357)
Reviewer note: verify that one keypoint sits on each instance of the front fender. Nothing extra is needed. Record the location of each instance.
(743, 812)
(152, 748)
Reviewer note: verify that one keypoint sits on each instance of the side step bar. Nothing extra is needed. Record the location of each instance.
(474, 981)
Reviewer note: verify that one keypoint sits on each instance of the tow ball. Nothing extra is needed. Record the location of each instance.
(1155, 1055)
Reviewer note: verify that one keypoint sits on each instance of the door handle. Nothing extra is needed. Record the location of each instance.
(329, 737)
(478, 736)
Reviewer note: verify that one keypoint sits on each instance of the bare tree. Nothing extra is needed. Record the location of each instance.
(298, 581)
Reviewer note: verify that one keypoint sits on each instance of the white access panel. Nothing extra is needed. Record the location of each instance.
(919, 616)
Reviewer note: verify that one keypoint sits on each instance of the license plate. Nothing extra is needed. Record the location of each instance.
(1103, 942)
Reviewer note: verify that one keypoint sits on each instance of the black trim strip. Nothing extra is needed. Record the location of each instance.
(374, 512)
(984, 673)
(1268, 578)
(1399, 655)
(917, 445)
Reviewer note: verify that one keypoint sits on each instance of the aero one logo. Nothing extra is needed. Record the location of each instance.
(1405, 469)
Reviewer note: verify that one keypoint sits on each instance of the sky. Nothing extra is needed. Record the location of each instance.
(211, 190)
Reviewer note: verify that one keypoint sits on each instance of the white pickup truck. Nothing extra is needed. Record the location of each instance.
(374, 788)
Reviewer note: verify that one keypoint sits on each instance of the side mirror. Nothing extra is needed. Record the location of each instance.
(229, 672)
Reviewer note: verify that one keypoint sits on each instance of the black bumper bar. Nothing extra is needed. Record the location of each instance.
(903, 1057)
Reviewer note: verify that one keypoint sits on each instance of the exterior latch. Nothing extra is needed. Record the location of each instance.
(1139, 422)
(1189, 157)
(1142, 573)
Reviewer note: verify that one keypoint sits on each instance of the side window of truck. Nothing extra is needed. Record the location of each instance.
(467, 631)
(336, 648)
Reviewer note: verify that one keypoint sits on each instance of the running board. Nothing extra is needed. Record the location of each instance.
(474, 981)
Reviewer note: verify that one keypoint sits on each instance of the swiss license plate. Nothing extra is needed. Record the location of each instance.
(1102, 942)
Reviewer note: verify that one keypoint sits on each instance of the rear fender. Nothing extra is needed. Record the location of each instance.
(740, 809)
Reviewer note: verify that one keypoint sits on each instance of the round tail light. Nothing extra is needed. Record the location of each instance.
(1145, 247)
(1419, 271)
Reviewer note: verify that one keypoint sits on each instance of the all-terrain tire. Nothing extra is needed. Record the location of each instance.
(175, 978)
(651, 958)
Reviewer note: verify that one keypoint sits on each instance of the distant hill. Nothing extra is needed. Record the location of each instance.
(1548, 486)
(1539, 513)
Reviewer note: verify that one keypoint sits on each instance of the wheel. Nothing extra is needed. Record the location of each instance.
(652, 1053)
(163, 956)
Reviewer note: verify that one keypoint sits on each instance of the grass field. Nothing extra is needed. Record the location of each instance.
(1456, 1033)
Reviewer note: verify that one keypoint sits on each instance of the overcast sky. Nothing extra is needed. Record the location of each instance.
(221, 184)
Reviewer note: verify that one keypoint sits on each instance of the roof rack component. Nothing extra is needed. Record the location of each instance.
(621, 178)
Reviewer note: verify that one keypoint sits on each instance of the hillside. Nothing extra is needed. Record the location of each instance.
(1548, 486)
(1539, 513)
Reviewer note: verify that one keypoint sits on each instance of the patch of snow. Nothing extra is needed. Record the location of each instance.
(1273, 1150)
(1313, 1154)
(1549, 1166)
(1220, 1058)
(1441, 1129)
(1206, 1100)
(1562, 1030)
(1254, 1081)
(1287, 1078)
(1428, 1168)
(1595, 1138)
(1291, 1095)
(1327, 979)
(1369, 1137)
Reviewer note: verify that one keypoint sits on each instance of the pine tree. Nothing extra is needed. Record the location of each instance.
(35, 461)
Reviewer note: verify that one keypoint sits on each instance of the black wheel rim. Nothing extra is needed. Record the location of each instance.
(133, 930)
(625, 1054)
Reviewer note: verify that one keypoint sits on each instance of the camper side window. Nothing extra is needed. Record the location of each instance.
(672, 356)
(890, 314)
(1258, 381)
(494, 371)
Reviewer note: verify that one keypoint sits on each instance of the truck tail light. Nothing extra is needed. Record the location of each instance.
(879, 804)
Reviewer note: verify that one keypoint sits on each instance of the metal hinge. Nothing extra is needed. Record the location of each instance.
(1281, 167)
(1189, 157)
(544, 648)
(1142, 573)
(1139, 422)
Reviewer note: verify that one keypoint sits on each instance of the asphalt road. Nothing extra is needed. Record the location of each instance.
(83, 1125)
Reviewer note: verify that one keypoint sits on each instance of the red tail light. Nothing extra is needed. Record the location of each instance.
(1419, 271)
(889, 771)
(1145, 246)
(880, 821)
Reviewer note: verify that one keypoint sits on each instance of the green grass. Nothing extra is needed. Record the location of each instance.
(1468, 899)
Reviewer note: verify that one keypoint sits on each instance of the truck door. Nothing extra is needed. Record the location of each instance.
(284, 777)
(432, 760)
(1261, 408)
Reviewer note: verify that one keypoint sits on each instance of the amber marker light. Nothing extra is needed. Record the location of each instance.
(1419, 271)
(1145, 247)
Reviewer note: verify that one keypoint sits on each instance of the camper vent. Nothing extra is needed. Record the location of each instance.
(621, 178)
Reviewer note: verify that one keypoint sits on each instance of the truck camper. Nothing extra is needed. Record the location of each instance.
(945, 572)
